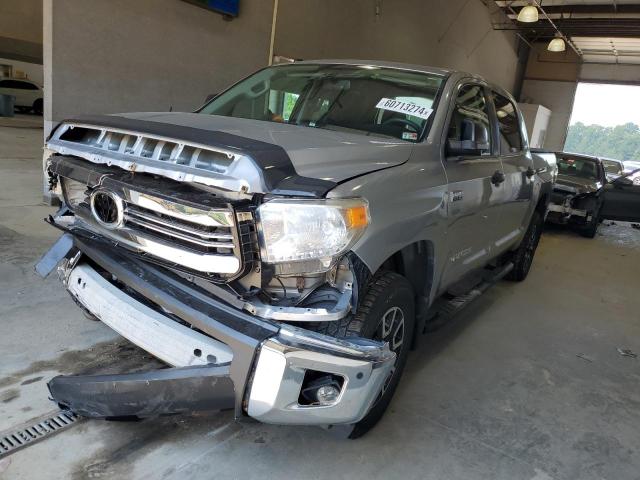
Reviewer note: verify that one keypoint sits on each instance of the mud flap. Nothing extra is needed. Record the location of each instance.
(168, 391)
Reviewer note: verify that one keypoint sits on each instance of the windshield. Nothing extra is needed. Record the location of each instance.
(578, 167)
(611, 167)
(359, 99)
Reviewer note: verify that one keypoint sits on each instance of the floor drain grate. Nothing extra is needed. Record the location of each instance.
(35, 430)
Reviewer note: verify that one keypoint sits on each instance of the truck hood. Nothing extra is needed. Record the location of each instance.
(576, 184)
(314, 152)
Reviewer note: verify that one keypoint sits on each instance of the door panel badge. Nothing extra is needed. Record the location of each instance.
(456, 196)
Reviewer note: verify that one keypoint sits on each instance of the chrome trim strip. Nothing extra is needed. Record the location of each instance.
(172, 233)
(177, 226)
(209, 218)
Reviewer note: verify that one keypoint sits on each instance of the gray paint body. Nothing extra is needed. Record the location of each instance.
(415, 194)
(414, 202)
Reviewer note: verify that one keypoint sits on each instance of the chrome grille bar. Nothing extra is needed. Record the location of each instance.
(175, 234)
(144, 217)
(209, 218)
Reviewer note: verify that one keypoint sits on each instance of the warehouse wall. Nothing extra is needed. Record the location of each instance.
(21, 30)
(118, 55)
(558, 97)
(454, 34)
(550, 80)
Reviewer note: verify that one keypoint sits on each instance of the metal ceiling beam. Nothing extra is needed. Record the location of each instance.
(584, 9)
(577, 26)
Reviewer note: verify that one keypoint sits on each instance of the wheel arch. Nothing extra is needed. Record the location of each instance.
(416, 262)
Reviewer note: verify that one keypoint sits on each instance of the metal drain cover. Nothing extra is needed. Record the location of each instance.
(35, 430)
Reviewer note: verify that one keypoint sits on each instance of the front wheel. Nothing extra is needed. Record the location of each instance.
(523, 256)
(591, 228)
(385, 313)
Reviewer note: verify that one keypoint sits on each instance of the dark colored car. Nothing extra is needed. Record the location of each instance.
(583, 195)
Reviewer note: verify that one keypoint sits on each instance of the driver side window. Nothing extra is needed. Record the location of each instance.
(469, 131)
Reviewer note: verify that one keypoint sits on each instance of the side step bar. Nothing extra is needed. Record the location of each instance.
(146, 394)
(443, 309)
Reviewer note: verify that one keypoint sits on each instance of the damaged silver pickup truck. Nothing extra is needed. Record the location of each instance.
(282, 248)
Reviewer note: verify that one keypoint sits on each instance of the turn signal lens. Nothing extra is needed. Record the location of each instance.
(357, 216)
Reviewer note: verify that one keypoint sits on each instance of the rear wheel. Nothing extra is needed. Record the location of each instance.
(386, 313)
(523, 256)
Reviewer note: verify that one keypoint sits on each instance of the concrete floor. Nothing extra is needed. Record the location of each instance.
(527, 383)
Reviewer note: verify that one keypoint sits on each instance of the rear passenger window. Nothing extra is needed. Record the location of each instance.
(469, 131)
(508, 124)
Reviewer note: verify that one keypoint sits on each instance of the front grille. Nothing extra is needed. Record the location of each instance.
(208, 239)
(210, 236)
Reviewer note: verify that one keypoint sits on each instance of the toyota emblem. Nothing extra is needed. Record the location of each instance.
(107, 208)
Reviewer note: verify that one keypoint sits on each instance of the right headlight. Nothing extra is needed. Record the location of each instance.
(312, 231)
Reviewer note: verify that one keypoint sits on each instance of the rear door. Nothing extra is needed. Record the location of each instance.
(473, 181)
(517, 165)
(622, 199)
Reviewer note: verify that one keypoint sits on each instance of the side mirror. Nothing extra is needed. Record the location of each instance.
(474, 140)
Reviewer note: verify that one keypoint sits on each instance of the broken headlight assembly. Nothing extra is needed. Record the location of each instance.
(308, 236)
(73, 192)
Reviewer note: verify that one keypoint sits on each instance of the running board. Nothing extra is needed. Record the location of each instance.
(444, 309)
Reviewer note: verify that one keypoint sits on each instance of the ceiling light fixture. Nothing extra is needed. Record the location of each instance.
(557, 45)
(528, 14)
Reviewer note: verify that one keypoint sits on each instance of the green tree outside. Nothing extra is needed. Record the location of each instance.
(621, 142)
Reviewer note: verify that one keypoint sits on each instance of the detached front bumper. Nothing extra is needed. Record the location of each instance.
(221, 357)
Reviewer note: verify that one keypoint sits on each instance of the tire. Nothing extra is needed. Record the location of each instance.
(523, 257)
(591, 228)
(37, 106)
(388, 296)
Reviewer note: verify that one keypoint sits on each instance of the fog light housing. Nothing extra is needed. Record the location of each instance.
(320, 389)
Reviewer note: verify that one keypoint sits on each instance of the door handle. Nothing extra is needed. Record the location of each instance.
(498, 177)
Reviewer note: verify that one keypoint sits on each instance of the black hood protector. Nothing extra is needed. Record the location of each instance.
(279, 174)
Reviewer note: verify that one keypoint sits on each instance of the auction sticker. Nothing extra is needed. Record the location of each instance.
(404, 107)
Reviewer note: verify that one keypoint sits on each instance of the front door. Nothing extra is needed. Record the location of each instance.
(474, 182)
(622, 199)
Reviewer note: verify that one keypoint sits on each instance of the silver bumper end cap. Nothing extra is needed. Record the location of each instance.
(280, 373)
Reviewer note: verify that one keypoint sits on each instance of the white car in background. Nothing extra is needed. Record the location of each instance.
(29, 95)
